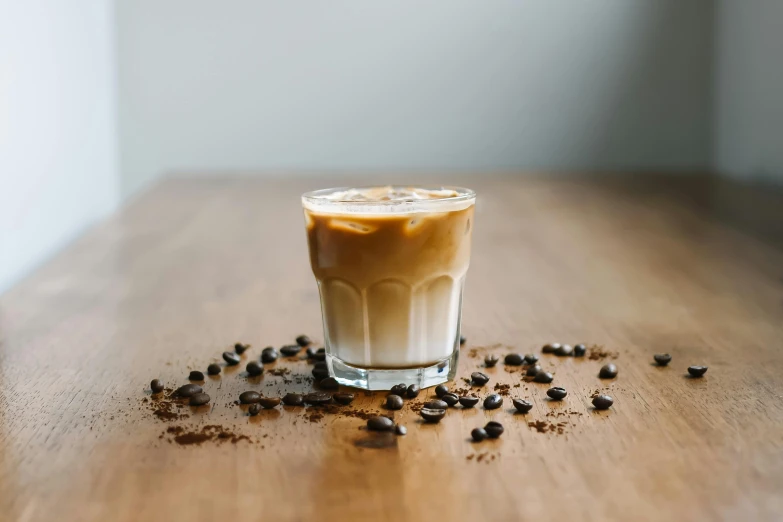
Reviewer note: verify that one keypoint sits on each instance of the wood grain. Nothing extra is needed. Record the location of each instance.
(195, 265)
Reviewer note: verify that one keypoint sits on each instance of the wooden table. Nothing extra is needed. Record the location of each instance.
(194, 265)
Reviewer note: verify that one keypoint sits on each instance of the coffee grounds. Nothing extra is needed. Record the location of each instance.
(164, 407)
(548, 427)
(597, 352)
(279, 372)
(502, 389)
(207, 433)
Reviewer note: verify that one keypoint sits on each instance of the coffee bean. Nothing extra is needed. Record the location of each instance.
(156, 386)
(550, 348)
(491, 360)
(188, 390)
(329, 383)
(557, 393)
(514, 359)
(320, 354)
(468, 402)
(303, 340)
(240, 348)
(441, 390)
(580, 350)
(394, 402)
(662, 358)
(293, 399)
(494, 429)
(479, 379)
(317, 398)
(196, 375)
(462, 340)
(400, 430)
(254, 369)
(564, 350)
(450, 398)
(602, 402)
(522, 405)
(199, 399)
(310, 352)
(436, 404)
(697, 371)
(290, 350)
(399, 389)
(380, 423)
(413, 391)
(432, 415)
(608, 371)
(320, 373)
(249, 397)
(533, 370)
(254, 409)
(213, 369)
(268, 355)
(269, 402)
(231, 358)
(343, 398)
(544, 377)
(321, 364)
(531, 358)
(493, 402)
(479, 434)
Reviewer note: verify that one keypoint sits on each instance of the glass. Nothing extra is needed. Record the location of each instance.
(390, 272)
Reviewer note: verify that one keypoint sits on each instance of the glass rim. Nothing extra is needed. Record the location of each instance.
(318, 196)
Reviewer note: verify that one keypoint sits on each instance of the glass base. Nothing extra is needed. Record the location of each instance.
(369, 379)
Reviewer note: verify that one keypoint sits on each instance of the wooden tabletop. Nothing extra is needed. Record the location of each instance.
(193, 266)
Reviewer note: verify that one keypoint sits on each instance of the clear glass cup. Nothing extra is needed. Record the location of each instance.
(390, 263)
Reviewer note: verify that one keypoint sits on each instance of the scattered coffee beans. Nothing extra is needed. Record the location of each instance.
(269, 402)
(254, 409)
(544, 377)
(303, 340)
(320, 364)
(580, 350)
(494, 429)
(602, 402)
(479, 379)
(432, 415)
(317, 398)
(522, 405)
(608, 371)
(188, 390)
(329, 383)
(213, 369)
(290, 350)
(413, 391)
(441, 390)
(662, 358)
(231, 358)
(343, 398)
(468, 402)
(240, 348)
(697, 371)
(249, 397)
(254, 369)
(533, 370)
(156, 386)
(320, 354)
(491, 360)
(514, 359)
(451, 399)
(294, 399)
(394, 402)
(564, 350)
(320, 373)
(380, 423)
(400, 429)
(479, 434)
(462, 340)
(531, 358)
(493, 402)
(399, 389)
(199, 399)
(557, 393)
(196, 375)
(268, 355)
(550, 348)
(436, 404)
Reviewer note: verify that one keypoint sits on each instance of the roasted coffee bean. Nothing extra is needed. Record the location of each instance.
(254, 409)
(269, 402)
(557, 393)
(413, 391)
(479, 434)
(310, 352)
(399, 389)
(494, 429)
(441, 390)
(544, 377)
(602, 402)
(213, 369)
(199, 399)
(254, 369)
(320, 373)
(329, 383)
(432, 415)
(317, 398)
(491, 360)
(462, 340)
(196, 375)
(268, 355)
(293, 399)
(343, 398)
(320, 364)
(188, 390)
(514, 359)
(240, 348)
(580, 350)
(493, 402)
(450, 398)
(380, 423)
(662, 358)
(156, 386)
(533, 370)
(564, 350)
(303, 340)
(320, 354)
(531, 358)
(436, 404)
(231, 358)
(400, 429)
(394, 402)
(550, 348)
(468, 402)
(522, 405)
(290, 350)
(249, 397)
(608, 371)
(697, 371)
(479, 379)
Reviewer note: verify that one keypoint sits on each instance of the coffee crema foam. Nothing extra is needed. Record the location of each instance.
(387, 200)
(390, 193)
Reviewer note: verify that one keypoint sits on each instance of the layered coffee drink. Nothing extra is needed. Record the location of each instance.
(390, 264)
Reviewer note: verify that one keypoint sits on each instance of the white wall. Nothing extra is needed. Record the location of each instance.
(58, 168)
(749, 89)
(259, 85)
